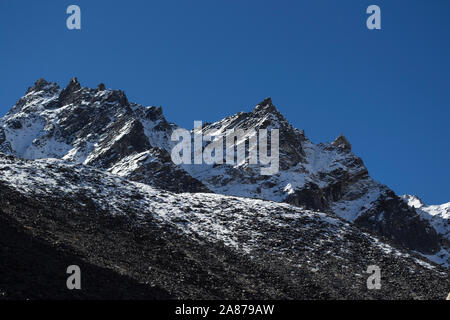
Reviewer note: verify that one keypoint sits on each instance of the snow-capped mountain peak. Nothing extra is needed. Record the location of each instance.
(413, 201)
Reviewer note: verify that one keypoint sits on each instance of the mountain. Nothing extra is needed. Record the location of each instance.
(326, 177)
(101, 128)
(86, 145)
(96, 127)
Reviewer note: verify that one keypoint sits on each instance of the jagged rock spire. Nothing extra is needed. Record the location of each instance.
(342, 142)
(40, 84)
(266, 105)
(73, 85)
(101, 87)
(265, 102)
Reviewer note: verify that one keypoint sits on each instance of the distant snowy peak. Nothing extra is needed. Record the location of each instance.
(413, 201)
(438, 215)
(442, 210)
(439, 218)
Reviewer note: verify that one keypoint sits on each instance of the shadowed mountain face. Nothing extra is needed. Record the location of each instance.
(99, 129)
(33, 268)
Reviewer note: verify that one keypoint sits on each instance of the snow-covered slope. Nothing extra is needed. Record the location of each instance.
(438, 215)
(297, 239)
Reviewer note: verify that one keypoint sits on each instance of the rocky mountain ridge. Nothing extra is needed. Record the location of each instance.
(101, 128)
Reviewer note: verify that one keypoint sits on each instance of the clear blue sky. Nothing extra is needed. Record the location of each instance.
(388, 91)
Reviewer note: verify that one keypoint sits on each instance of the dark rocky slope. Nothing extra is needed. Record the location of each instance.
(32, 268)
(155, 239)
